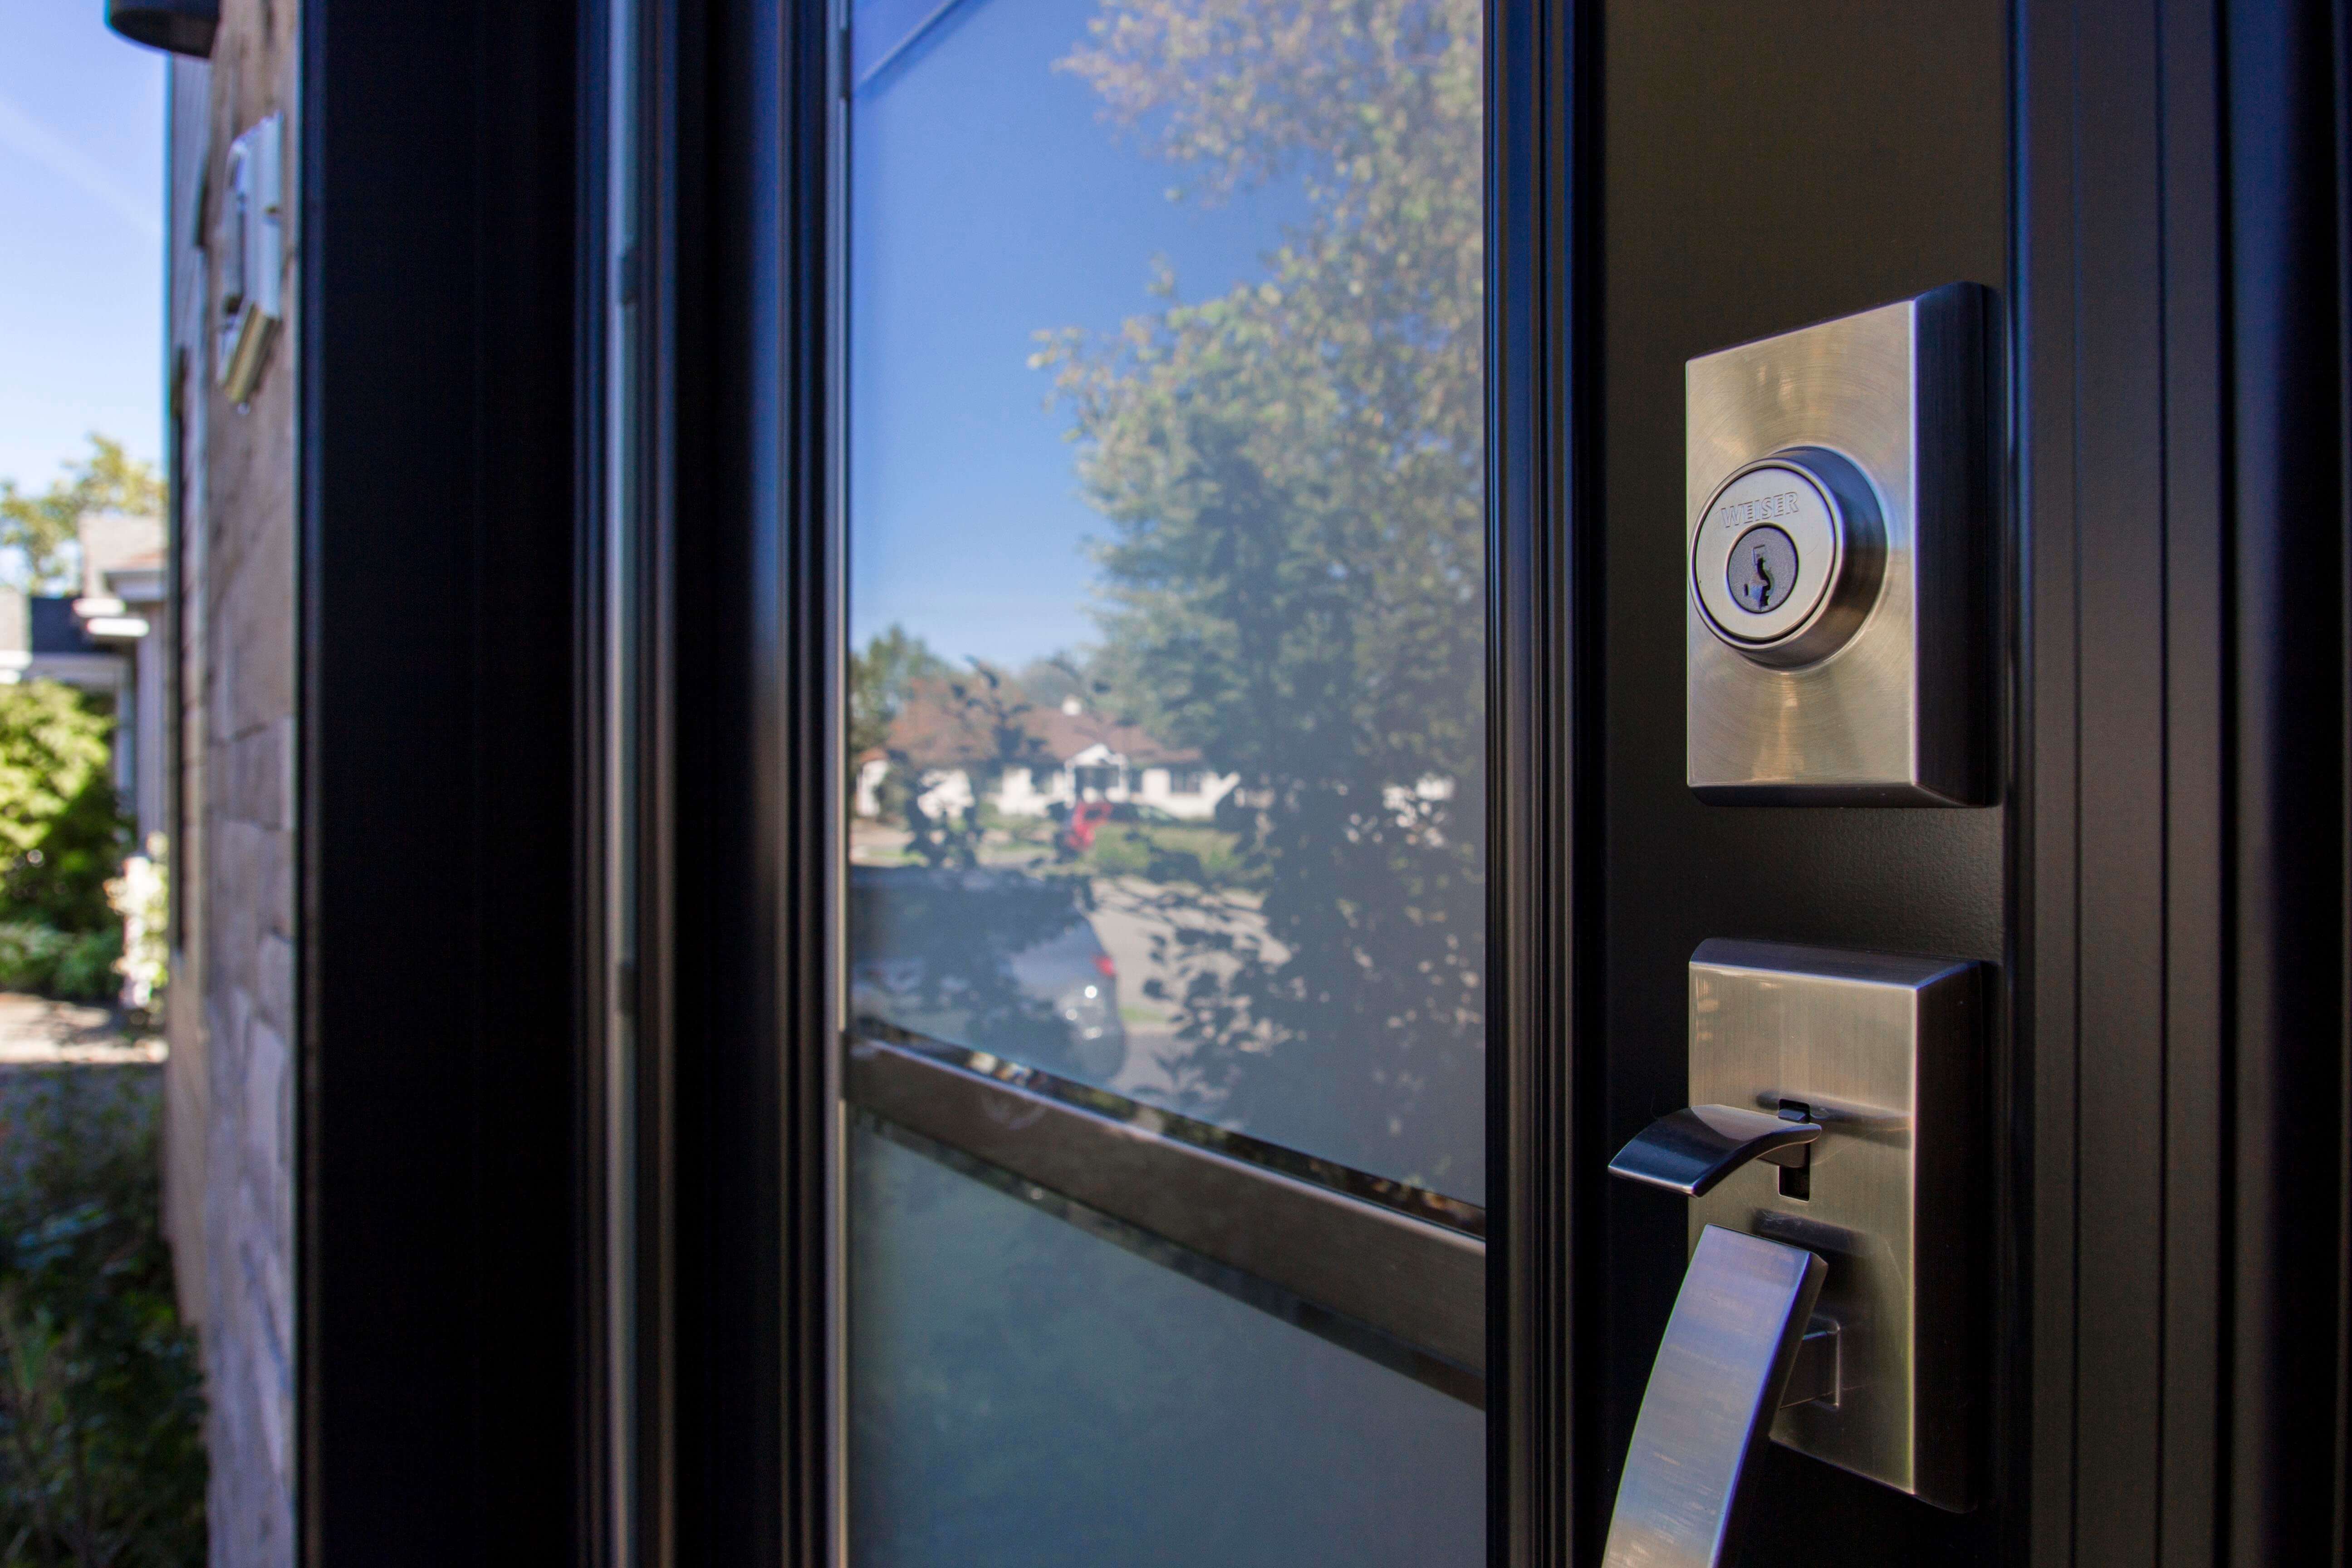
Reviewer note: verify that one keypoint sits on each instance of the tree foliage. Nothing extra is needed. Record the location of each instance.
(990, 734)
(1293, 476)
(882, 677)
(44, 527)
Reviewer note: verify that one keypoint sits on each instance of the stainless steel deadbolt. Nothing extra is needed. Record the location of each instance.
(1787, 557)
(1836, 549)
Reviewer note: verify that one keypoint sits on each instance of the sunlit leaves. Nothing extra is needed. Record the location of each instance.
(1292, 474)
(42, 528)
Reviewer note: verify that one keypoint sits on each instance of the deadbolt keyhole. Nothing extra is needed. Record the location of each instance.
(1762, 570)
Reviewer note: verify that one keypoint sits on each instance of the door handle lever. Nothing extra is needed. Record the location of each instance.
(1721, 1375)
(1691, 1150)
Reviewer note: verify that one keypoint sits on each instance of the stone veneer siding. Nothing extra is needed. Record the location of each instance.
(231, 1014)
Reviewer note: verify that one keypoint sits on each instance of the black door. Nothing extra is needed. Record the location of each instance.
(1238, 870)
(2132, 1272)
(1762, 168)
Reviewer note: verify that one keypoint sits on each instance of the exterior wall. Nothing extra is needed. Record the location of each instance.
(143, 731)
(231, 1013)
(186, 1100)
(122, 580)
(151, 694)
(26, 655)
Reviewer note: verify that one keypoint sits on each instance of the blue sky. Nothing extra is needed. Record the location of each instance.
(82, 246)
(989, 201)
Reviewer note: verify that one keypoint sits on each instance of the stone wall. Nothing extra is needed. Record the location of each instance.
(232, 1011)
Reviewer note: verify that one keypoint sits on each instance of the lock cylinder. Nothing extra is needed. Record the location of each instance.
(1787, 557)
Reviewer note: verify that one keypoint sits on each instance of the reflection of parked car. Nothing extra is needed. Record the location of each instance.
(999, 961)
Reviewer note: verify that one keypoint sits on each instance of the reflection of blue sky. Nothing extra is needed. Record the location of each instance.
(990, 200)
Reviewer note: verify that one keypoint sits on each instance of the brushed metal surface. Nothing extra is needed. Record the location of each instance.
(1882, 1053)
(1693, 1149)
(1728, 1347)
(1814, 1374)
(1893, 715)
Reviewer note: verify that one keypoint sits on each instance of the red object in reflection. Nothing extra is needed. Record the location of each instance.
(1103, 963)
(1085, 817)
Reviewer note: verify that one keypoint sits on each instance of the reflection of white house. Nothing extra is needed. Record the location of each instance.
(1093, 758)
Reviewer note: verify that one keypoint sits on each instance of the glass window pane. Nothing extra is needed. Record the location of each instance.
(1166, 585)
(1026, 1394)
(1165, 601)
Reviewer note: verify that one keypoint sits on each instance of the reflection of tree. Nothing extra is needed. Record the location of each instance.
(882, 680)
(981, 729)
(1059, 676)
(1293, 476)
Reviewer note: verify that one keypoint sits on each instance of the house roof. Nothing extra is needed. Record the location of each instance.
(111, 540)
(1067, 734)
(956, 724)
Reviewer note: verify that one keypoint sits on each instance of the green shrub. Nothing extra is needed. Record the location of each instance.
(29, 952)
(61, 831)
(101, 1457)
(82, 967)
(87, 969)
(1200, 856)
(62, 878)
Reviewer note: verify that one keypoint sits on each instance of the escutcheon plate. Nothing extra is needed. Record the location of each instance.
(1882, 1050)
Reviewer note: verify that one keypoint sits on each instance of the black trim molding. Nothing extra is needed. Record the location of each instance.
(434, 146)
(1542, 1509)
(2174, 1356)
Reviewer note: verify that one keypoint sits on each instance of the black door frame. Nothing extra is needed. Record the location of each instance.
(437, 1237)
(2177, 439)
(1540, 302)
(2179, 831)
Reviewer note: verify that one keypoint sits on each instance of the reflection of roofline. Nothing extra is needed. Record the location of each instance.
(137, 584)
(113, 541)
(934, 731)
